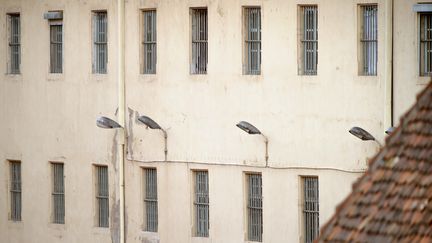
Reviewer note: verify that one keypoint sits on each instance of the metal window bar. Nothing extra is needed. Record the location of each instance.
(150, 200)
(254, 208)
(102, 196)
(58, 193)
(15, 190)
(426, 44)
(369, 39)
(56, 48)
(100, 36)
(201, 204)
(199, 41)
(253, 40)
(14, 43)
(309, 40)
(311, 208)
(149, 42)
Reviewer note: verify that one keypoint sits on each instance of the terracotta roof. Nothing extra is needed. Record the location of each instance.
(392, 201)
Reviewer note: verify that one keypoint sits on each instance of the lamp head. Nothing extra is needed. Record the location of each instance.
(361, 133)
(390, 130)
(105, 122)
(247, 127)
(149, 122)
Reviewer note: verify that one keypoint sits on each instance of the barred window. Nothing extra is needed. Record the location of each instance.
(14, 43)
(369, 40)
(150, 200)
(149, 41)
(254, 207)
(201, 203)
(310, 208)
(308, 39)
(199, 41)
(56, 46)
(252, 38)
(102, 196)
(58, 193)
(100, 39)
(425, 44)
(15, 190)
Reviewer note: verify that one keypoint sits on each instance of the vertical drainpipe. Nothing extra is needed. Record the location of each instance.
(121, 115)
(388, 68)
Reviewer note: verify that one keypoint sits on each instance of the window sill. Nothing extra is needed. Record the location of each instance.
(150, 233)
(148, 78)
(60, 227)
(309, 79)
(101, 230)
(252, 77)
(198, 77)
(98, 77)
(13, 77)
(423, 80)
(200, 239)
(146, 236)
(368, 79)
(55, 77)
(15, 224)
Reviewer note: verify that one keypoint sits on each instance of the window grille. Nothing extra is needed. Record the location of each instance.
(201, 204)
(56, 47)
(15, 190)
(102, 194)
(369, 39)
(252, 17)
(150, 200)
(199, 41)
(425, 44)
(100, 37)
(14, 43)
(309, 39)
(254, 207)
(149, 42)
(58, 193)
(310, 208)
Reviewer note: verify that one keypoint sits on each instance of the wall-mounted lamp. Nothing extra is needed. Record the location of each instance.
(390, 130)
(250, 129)
(153, 125)
(105, 122)
(363, 134)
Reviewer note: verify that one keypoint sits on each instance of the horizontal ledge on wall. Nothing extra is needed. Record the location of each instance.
(253, 166)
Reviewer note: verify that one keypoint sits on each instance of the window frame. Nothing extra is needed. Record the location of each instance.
(56, 60)
(152, 42)
(11, 69)
(57, 192)
(305, 209)
(201, 203)
(198, 58)
(308, 65)
(252, 42)
(368, 41)
(257, 207)
(101, 199)
(150, 200)
(99, 44)
(422, 65)
(15, 191)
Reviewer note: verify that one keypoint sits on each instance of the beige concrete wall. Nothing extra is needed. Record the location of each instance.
(52, 118)
(407, 80)
(281, 199)
(48, 117)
